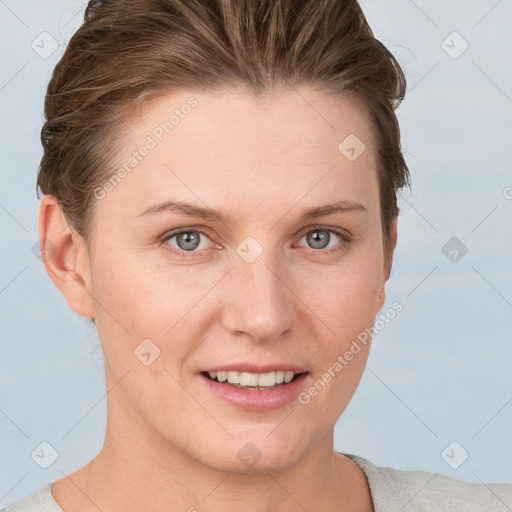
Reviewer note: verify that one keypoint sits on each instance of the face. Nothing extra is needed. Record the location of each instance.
(242, 241)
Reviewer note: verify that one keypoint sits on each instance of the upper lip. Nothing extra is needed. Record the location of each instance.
(255, 368)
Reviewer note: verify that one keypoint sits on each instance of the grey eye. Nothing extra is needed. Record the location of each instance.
(319, 238)
(188, 240)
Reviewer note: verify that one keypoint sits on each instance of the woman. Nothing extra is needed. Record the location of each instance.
(220, 183)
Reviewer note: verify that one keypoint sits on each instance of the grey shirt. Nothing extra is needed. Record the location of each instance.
(392, 490)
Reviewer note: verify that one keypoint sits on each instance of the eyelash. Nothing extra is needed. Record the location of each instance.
(345, 236)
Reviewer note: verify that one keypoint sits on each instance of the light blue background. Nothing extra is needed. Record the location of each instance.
(438, 373)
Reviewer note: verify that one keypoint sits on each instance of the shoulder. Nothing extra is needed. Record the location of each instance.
(40, 500)
(415, 491)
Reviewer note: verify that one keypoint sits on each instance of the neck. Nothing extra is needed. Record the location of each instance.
(137, 469)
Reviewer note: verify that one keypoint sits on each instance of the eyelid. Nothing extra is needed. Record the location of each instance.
(177, 231)
(337, 230)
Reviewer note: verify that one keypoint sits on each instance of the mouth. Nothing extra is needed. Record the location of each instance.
(269, 389)
(253, 381)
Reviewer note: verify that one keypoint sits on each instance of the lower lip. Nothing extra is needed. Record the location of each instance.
(256, 400)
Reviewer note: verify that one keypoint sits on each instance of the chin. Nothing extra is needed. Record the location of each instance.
(258, 453)
(250, 460)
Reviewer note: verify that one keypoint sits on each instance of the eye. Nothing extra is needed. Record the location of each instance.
(326, 240)
(322, 240)
(187, 240)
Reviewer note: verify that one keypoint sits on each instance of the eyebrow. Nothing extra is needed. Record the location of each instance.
(216, 215)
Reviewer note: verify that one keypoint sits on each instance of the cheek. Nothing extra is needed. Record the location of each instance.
(345, 297)
(139, 292)
(137, 301)
(344, 303)
(345, 315)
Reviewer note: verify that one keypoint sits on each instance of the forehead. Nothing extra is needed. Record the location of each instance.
(295, 142)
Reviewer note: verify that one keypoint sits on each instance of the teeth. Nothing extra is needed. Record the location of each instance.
(234, 377)
(288, 376)
(267, 379)
(248, 379)
(244, 379)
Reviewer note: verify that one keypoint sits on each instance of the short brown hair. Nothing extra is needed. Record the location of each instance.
(127, 51)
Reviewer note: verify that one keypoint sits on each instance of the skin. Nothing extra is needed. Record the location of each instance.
(263, 163)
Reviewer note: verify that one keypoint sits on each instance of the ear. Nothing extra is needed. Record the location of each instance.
(393, 237)
(65, 257)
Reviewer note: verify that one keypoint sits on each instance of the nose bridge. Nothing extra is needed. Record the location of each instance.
(258, 302)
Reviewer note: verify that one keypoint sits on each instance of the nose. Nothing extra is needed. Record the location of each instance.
(258, 303)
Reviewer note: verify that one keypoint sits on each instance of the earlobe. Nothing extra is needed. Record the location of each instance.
(65, 257)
